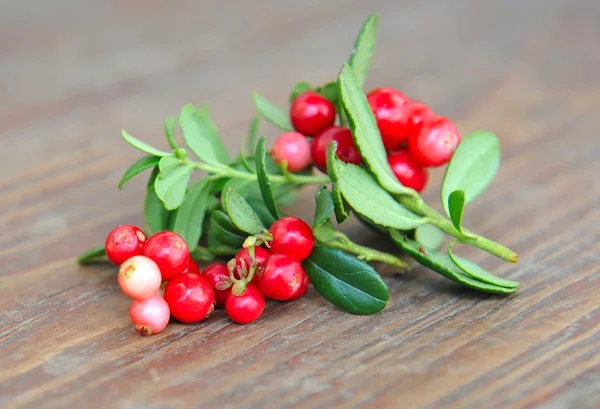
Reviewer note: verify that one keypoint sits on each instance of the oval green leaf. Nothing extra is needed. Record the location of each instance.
(200, 135)
(347, 282)
(364, 46)
(172, 181)
(170, 124)
(142, 146)
(299, 88)
(222, 232)
(272, 113)
(324, 206)
(263, 179)
(189, 218)
(241, 213)
(429, 236)
(472, 167)
(138, 167)
(157, 217)
(456, 207)
(479, 273)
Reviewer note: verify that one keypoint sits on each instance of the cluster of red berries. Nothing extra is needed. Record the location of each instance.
(163, 280)
(413, 135)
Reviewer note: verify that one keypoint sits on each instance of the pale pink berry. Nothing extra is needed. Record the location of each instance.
(294, 148)
(139, 277)
(150, 316)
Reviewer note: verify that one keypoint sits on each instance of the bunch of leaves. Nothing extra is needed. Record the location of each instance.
(242, 196)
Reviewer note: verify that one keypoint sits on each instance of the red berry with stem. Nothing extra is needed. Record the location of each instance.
(419, 113)
(217, 276)
(293, 148)
(300, 289)
(392, 113)
(281, 277)
(139, 277)
(310, 113)
(410, 173)
(246, 307)
(192, 268)
(123, 242)
(190, 298)
(150, 316)
(346, 150)
(292, 237)
(435, 143)
(169, 251)
(260, 255)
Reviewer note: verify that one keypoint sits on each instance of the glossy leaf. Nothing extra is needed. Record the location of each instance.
(222, 232)
(429, 236)
(442, 264)
(157, 217)
(472, 167)
(263, 179)
(341, 207)
(456, 207)
(172, 181)
(479, 273)
(272, 113)
(364, 46)
(365, 132)
(189, 218)
(170, 124)
(324, 206)
(138, 167)
(92, 255)
(241, 213)
(200, 135)
(142, 146)
(347, 282)
(299, 88)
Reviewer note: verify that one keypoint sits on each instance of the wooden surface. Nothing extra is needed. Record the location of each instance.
(74, 73)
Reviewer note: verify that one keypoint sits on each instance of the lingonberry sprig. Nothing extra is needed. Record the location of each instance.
(369, 155)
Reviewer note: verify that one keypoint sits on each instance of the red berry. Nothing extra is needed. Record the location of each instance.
(292, 237)
(190, 298)
(281, 277)
(435, 143)
(294, 148)
(123, 242)
(214, 275)
(310, 113)
(260, 255)
(169, 251)
(392, 113)
(419, 112)
(346, 150)
(300, 289)
(139, 277)
(247, 306)
(192, 268)
(408, 172)
(150, 316)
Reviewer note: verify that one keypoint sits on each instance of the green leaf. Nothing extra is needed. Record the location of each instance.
(202, 253)
(138, 167)
(347, 282)
(265, 216)
(299, 88)
(240, 212)
(272, 113)
(263, 179)
(172, 181)
(200, 135)
(341, 208)
(330, 91)
(366, 197)
(222, 232)
(92, 255)
(443, 265)
(479, 273)
(364, 46)
(365, 132)
(456, 207)
(157, 217)
(190, 215)
(472, 167)
(170, 124)
(253, 130)
(429, 236)
(142, 146)
(324, 206)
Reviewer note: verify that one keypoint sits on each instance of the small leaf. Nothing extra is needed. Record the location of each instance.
(472, 167)
(364, 46)
(429, 236)
(265, 216)
(324, 207)
(222, 232)
(241, 213)
(341, 208)
(330, 91)
(253, 130)
(272, 113)
(479, 273)
(190, 216)
(92, 255)
(263, 179)
(299, 88)
(200, 135)
(456, 207)
(365, 132)
(171, 183)
(170, 124)
(442, 264)
(157, 217)
(142, 146)
(201, 253)
(138, 167)
(366, 197)
(347, 282)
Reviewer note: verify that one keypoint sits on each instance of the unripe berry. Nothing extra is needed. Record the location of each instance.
(139, 277)
(150, 316)
(293, 148)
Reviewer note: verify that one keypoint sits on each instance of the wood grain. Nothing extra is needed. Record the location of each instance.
(74, 73)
